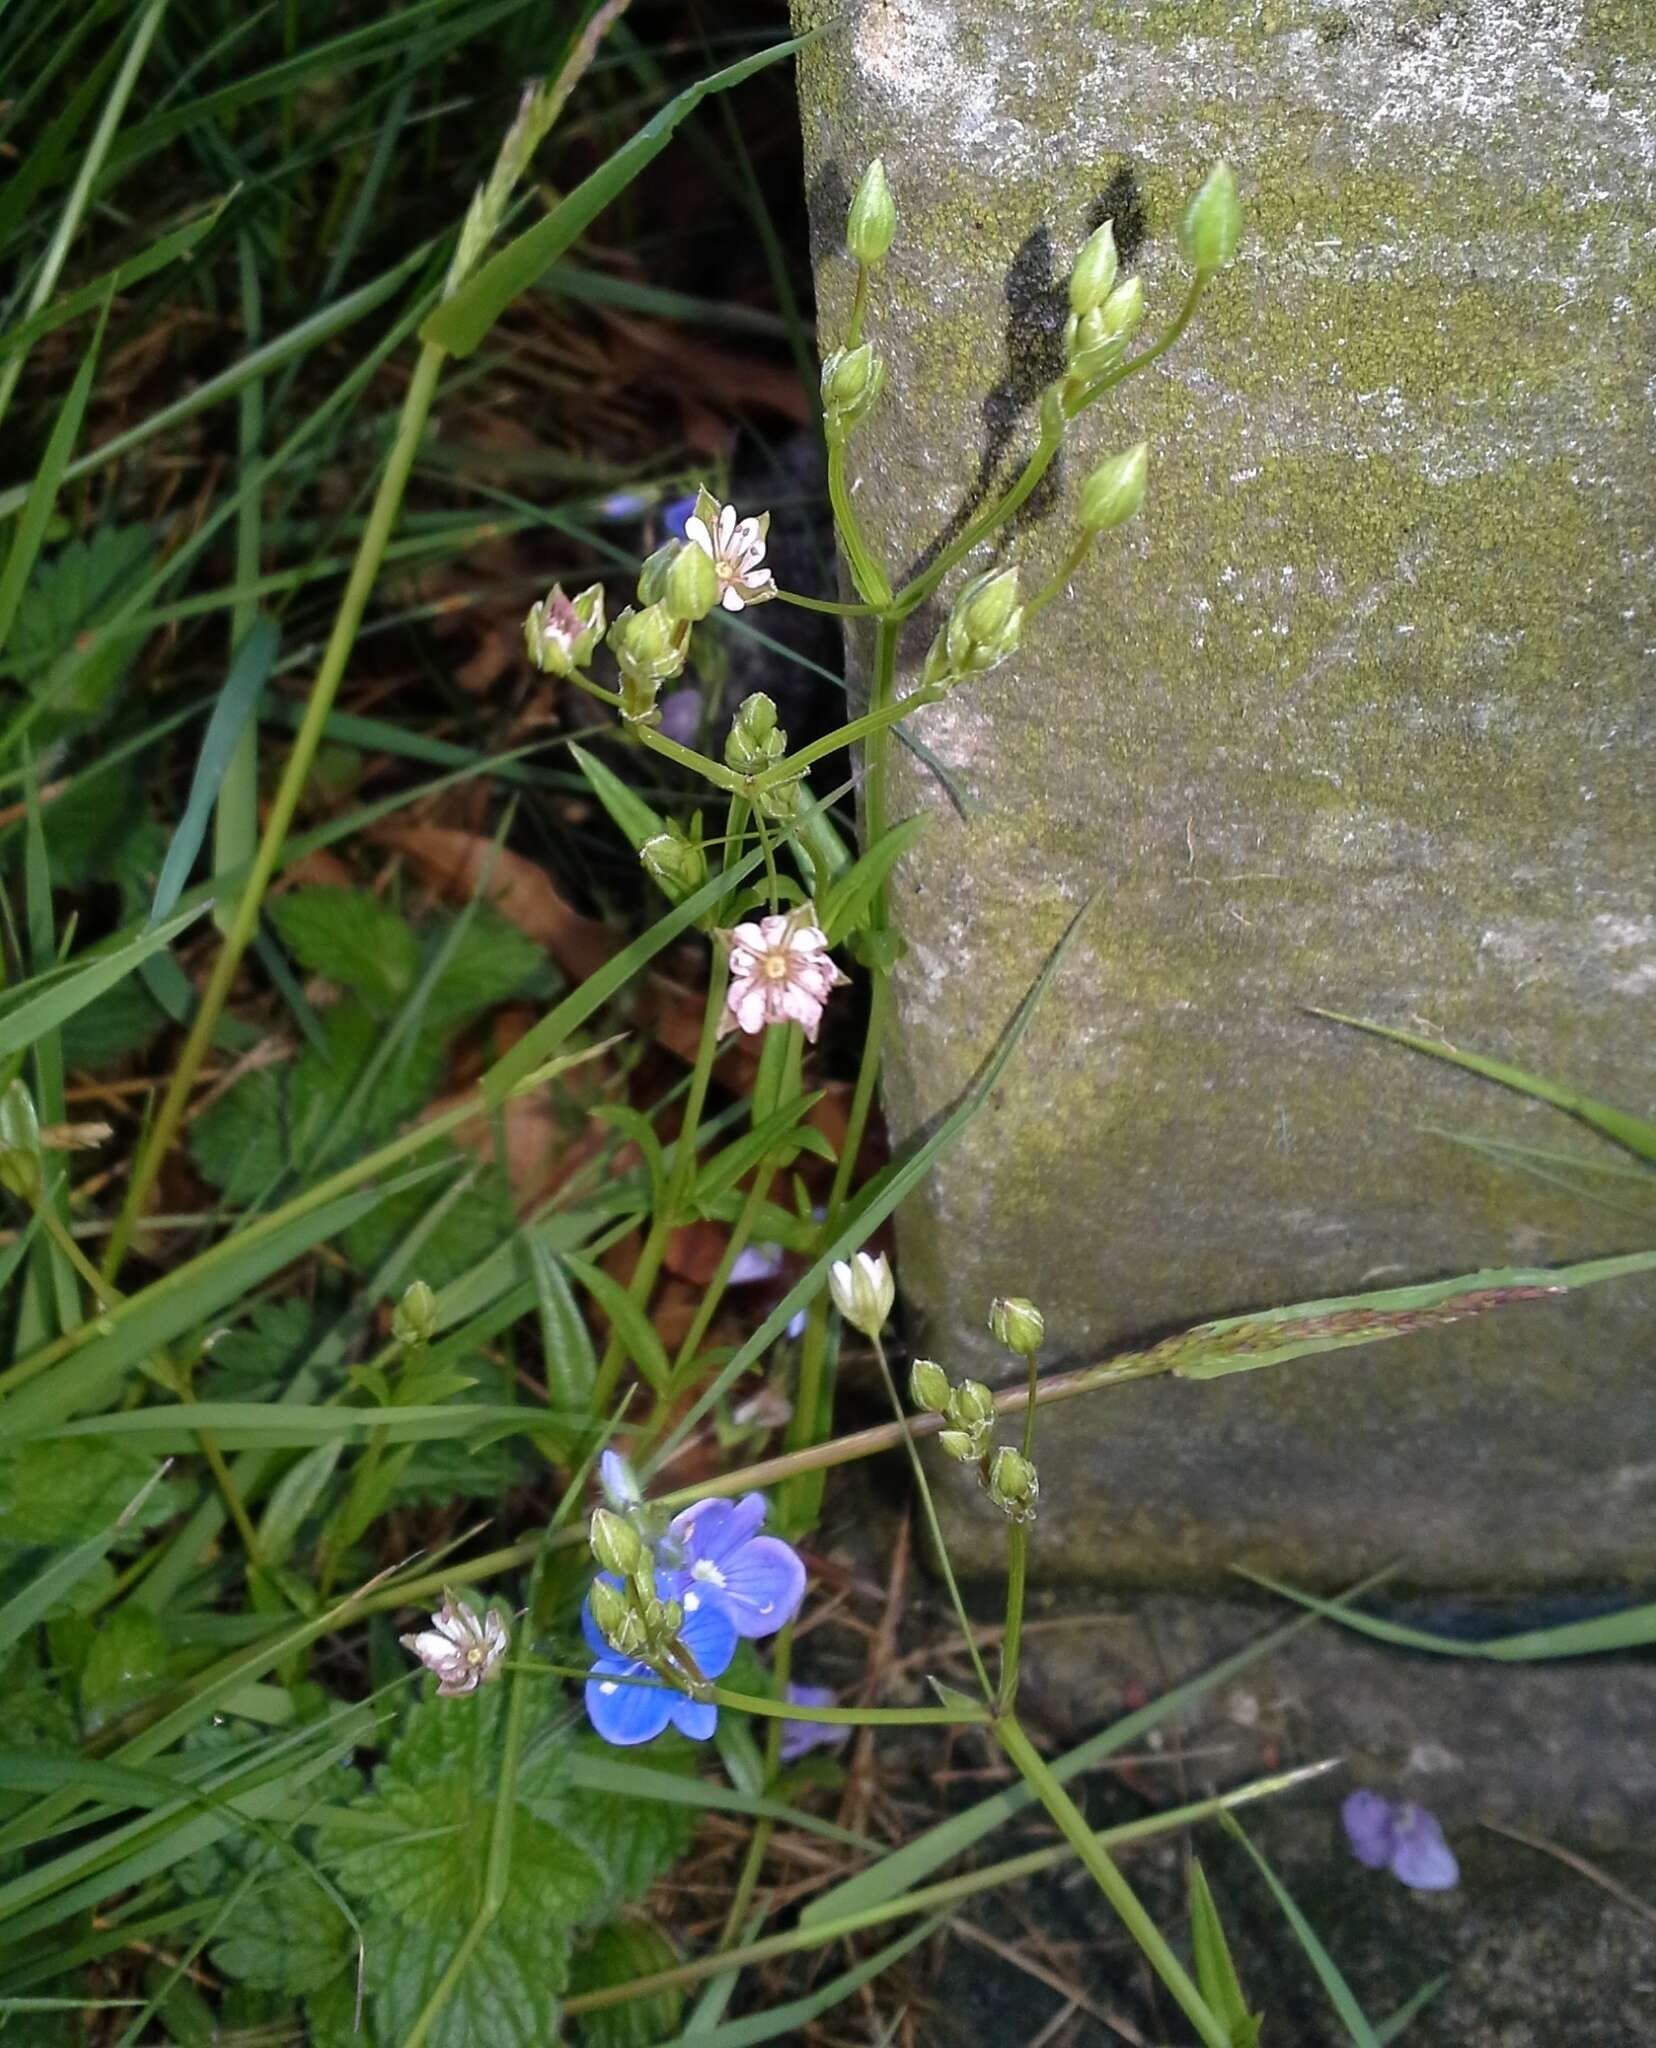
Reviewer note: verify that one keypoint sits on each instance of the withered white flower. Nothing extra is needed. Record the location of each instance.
(461, 1647)
(780, 973)
(736, 548)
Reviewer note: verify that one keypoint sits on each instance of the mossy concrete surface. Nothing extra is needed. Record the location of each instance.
(1356, 714)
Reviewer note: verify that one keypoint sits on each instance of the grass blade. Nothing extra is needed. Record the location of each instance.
(463, 319)
(27, 1019)
(792, 2018)
(1636, 1133)
(1629, 1628)
(1340, 1993)
(65, 1572)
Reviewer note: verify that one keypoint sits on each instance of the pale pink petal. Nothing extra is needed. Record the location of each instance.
(732, 599)
(750, 1009)
(801, 1007)
(774, 930)
(807, 938)
(744, 965)
(750, 935)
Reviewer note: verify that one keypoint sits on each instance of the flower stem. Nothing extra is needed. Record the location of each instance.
(1017, 1564)
(865, 727)
(1038, 1775)
(866, 573)
(828, 604)
(376, 537)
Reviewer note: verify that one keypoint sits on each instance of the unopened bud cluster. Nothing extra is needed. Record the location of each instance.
(561, 633)
(984, 626)
(852, 379)
(968, 1411)
(414, 1319)
(632, 1618)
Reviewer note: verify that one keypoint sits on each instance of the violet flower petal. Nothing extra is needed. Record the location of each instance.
(1420, 1857)
(627, 1714)
(1371, 1828)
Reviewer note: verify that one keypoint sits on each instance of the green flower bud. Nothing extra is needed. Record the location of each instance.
(1115, 490)
(1014, 1484)
(961, 1444)
(561, 633)
(872, 221)
(649, 651)
(985, 625)
(929, 1386)
(863, 1291)
(852, 380)
(414, 1319)
(1212, 225)
(1094, 272)
(755, 742)
(20, 1168)
(692, 585)
(678, 866)
(783, 800)
(971, 1405)
(652, 573)
(668, 1616)
(1018, 1324)
(610, 1609)
(1122, 311)
(616, 1544)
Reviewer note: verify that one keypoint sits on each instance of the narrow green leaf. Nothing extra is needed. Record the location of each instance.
(1411, 2009)
(568, 1359)
(1629, 1628)
(791, 2019)
(1636, 1133)
(1340, 1993)
(726, 1168)
(164, 250)
(1215, 1970)
(55, 1583)
(1309, 1328)
(292, 1498)
(630, 813)
(236, 705)
(630, 1322)
(846, 905)
(25, 1020)
(463, 319)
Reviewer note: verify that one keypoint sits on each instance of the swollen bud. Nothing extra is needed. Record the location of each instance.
(690, 588)
(1122, 311)
(851, 381)
(1018, 1324)
(1212, 225)
(652, 571)
(414, 1319)
(616, 1544)
(678, 866)
(755, 741)
(961, 1444)
(20, 1169)
(1094, 272)
(985, 626)
(609, 1609)
(1014, 1484)
(872, 222)
(929, 1386)
(1115, 490)
(971, 1405)
(648, 652)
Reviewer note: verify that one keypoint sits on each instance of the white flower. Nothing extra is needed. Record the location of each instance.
(736, 548)
(461, 1647)
(780, 973)
(863, 1291)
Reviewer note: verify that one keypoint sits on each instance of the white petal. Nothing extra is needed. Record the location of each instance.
(696, 530)
(758, 579)
(807, 938)
(773, 932)
(751, 935)
(726, 527)
(750, 1010)
(732, 599)
(742, 541)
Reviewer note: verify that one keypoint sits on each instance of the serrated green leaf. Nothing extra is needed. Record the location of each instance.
(122, 1020)
(126, 1665)
(262, 1354)
(616, 1954)
(55, 1494)
(350, 938)
(506, 1997)
(631, 1836)
(283, 1937)
(68, 595)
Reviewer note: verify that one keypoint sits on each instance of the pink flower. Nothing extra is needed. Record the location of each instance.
(736, 548)
(780, 973)
(462, 1647)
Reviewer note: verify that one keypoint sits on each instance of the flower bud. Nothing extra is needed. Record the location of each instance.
(985, 625)
(652, 572)
(678, 866)
(1115, 490)
(1014, 1484)
(971, 1405)
(1094, 272)
(929, 1386)
(1212, 225)
(692, 585)
(610, 1609)
(648, 652)
(863, 1291)
(20, 1170)
(961, 1444)
(755, 742)
(1123, 310)
(872, 221)
(561, 632)
(414, 1319)
(616, 1544)
(1018, 1324)
(852, 379)
(619, 1482)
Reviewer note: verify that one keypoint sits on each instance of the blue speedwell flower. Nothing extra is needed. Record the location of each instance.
(731, 1582)
(799, 1738)
(1400, 1837)
(715, 1556)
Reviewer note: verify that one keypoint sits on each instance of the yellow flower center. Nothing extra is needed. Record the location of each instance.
(775, 967)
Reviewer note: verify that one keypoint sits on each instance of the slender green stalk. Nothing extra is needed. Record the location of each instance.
(781, 1709)
(1017, 1561)
(80, 193)
(859, 307)
(1072, 561)
(1033, 1768)
(928, 1507)
(948, 1891)
(866, 573)
(865, 727)
(376, 534)
(828, 604)
(993, 517)
(236, 814)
